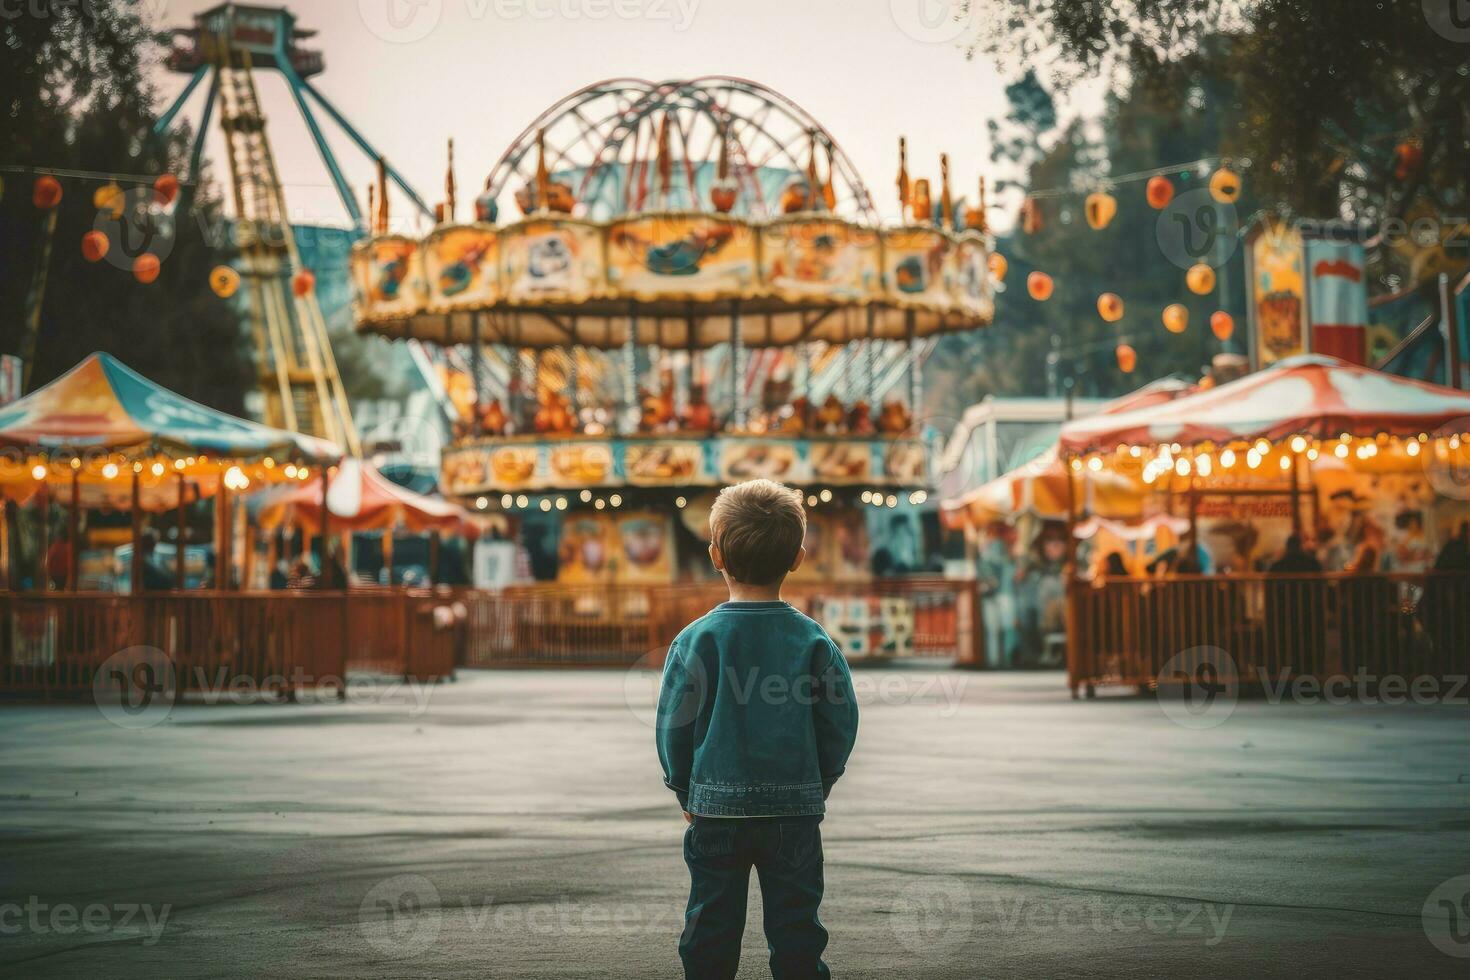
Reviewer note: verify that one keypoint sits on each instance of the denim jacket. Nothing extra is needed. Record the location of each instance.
(756, 715)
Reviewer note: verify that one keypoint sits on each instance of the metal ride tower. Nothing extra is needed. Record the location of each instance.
(298, 373)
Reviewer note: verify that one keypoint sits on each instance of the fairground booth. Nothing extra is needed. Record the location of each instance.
(103, 442)
(1317, 512)
(695, 291)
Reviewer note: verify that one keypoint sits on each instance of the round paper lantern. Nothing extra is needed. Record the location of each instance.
(1110, 307)
(166, 188)
(1223, 325)
(999, 266)
(1040, 286)
(1100, 209)
(47, 192)
(1160, 192)
(1127, 358)
(303, 282)
(1225, 186)
(1407, 159)
(94, 246)
(1176, 318)
(146, 268)
(224, 281)
(1200, 279)
(110, 198)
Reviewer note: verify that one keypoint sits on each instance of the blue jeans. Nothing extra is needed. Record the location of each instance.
(786, 853)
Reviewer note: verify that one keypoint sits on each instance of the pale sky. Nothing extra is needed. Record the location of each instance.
(481, 70)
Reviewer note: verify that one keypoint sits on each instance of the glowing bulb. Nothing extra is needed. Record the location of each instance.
(506, 500)
(1285, 463)
(109, 471)
(811, 500)
(38, 471)
(1181, 466)
(1095, 463)
(561, 503)
(1262, 447)
(586, 496)
(1135, 451)
(158, 469)
(482, 502)
(892, 500)
(545, 505)
(1298, 444)
(867, 496)
(1253, 459)
(290, 471)
(1412, 448)
(523, 501)
(1340, 450)
(600, 503)
(826, 496)
(1227, 458)
(1205, 465)
(616, 500)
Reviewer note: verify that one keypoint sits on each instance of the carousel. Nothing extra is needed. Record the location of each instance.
(670, 287)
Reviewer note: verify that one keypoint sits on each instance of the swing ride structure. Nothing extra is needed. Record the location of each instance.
(226, 46)
(695, 289)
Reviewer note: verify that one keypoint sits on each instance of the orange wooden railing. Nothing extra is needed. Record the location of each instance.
(596, 625)
(1274, 627)
(54, 643)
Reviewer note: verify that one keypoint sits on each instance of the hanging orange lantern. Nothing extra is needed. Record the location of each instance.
(166, 189)
(1110, 307)
(1127, 358)
(146, 268)
(303, 282)
(109, 197)
(1225, 186)
(999, 266)
(1031, 222)
(1223, 325)
(47, 192)
(1160, 192)
(94, 246)
(1408, 157)
(1101, 208)
(224, 281)
(1040, 286)
(1200, 279)
(1176, 318)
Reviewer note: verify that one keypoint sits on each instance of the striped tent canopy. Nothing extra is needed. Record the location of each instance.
(360, 498)
(1312, 396)
(102, 422)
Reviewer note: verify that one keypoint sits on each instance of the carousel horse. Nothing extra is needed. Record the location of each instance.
(831, 418)
(492, 418)
(894, 419)
(860, 419)
(553, 414)
(698, 415)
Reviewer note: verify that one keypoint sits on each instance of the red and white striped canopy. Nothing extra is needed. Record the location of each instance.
(1311, 395)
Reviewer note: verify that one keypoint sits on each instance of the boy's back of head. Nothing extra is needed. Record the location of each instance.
(757, 528)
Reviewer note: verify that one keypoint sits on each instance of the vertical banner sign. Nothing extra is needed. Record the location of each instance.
(1337, 298)
(1277, 295)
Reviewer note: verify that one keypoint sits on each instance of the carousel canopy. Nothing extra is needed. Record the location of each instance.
(1312, 396)
(101, 422)
(360, 498)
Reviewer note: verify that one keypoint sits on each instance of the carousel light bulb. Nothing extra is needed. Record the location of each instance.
(600, 503)
(1253, 458)
(109, 471)
(545, 505)
(811, 500)
(616, 500)
(826, 496)
(1340, 450)
(681, 502)
(482, 502)
(1227, 458)
(76, 461)
(268, 463)
(38, 471)
(158, 469)
(923, 495)
(1298, 444)
(1412, 448)
(1095, 463)
(1263, 446)
(523, 501)
(178, 464)
(290, 471)
(1312, 454)
(1362, 452)
(137, 467)
(506, 500)
(1205, 465)
(1181, 466)
(892, 500)
(1454, 444)
(302, 473)
(561, 503)
(1285, 463)
(1135, 451)
(1149, 475)
(586, 496)
(867, 496)
(1076, 466)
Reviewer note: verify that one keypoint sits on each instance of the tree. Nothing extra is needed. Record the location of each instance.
(73, 97)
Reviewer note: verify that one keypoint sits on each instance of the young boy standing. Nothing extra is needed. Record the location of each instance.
(756, 719)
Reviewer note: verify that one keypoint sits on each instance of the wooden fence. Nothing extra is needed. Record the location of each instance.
(54, 643)
(596, 625)
(1273, 627)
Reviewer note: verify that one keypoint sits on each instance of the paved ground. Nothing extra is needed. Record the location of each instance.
(517, 827)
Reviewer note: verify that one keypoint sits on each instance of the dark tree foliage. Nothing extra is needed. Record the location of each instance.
(73, 96)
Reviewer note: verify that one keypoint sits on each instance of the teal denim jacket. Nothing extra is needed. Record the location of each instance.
(756, 715)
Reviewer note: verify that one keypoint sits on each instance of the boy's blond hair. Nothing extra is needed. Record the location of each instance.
(758, 527)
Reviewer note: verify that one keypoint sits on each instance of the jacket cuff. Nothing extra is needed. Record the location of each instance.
(681, 794)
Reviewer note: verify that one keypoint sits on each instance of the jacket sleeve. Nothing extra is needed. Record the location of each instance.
(836, 717)
(678, 706)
